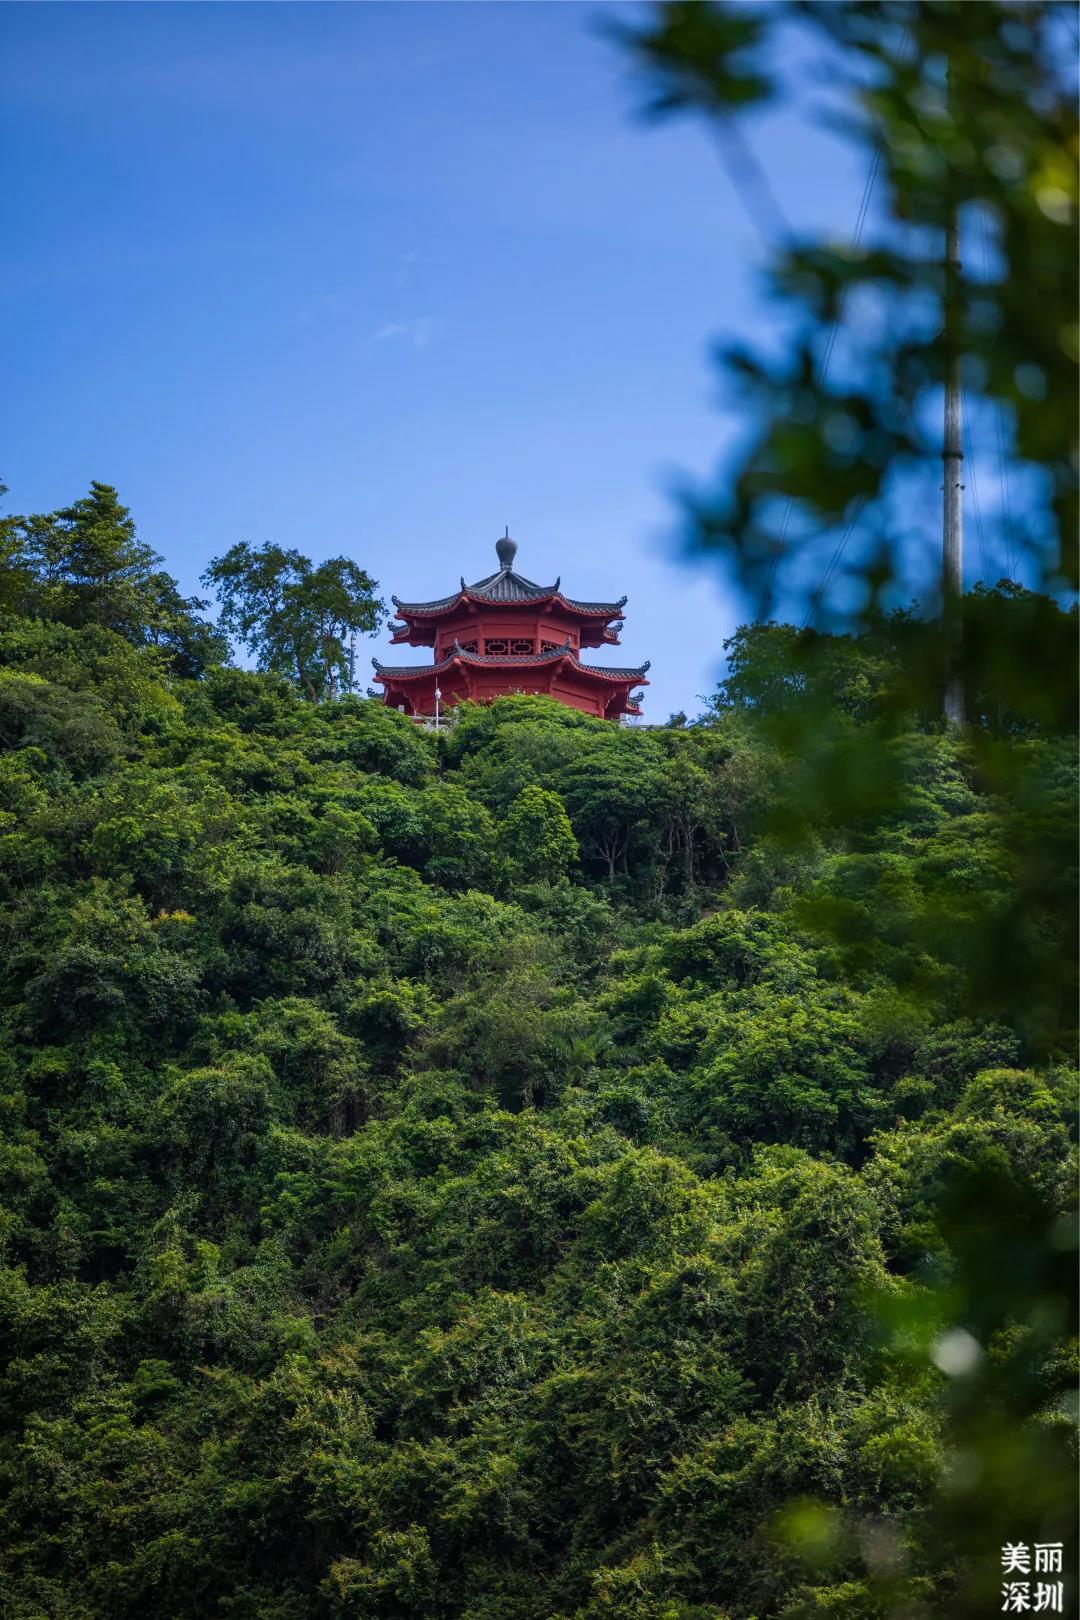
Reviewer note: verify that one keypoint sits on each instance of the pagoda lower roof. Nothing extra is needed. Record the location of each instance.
(403, 633)
(457, 655)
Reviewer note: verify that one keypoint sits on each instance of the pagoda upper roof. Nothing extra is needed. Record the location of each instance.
(458, 655)
(506, 585)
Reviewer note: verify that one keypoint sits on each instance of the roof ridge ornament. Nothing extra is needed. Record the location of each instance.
(506, 551)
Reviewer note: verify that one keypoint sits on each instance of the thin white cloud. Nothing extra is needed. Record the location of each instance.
(417, 333)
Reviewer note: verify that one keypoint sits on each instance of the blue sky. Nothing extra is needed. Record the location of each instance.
(381, 279)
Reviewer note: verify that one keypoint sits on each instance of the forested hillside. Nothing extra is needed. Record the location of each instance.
(545, 1172)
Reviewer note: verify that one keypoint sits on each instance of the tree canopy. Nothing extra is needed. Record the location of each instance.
(293, 614)
(84, 565)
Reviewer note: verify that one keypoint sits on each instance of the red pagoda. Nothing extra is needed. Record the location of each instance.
(507, 634)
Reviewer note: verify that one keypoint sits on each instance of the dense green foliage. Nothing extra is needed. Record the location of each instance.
(553, 1170)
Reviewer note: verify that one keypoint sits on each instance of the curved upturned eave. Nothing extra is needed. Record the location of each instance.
(470, 597)
(417, 672)
(404, 635)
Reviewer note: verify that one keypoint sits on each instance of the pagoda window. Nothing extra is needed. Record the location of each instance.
(549, 646)
(521, 647)
(497, 648)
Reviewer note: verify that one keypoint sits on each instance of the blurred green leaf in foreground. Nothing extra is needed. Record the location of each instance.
(830, 507)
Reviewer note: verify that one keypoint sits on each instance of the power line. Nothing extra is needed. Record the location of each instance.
(849, 527)
(827, 354)
(1006, 498)
(1003, 466)
(830, 342)
(983, 554)
(860, 222)
(838, 552)
(1043, 504)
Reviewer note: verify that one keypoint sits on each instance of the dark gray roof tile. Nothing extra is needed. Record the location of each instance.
(505, 585)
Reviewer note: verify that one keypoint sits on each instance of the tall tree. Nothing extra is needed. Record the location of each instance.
(85, 565)
(294, 614)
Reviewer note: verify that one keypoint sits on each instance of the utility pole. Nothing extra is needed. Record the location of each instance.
(952, 513)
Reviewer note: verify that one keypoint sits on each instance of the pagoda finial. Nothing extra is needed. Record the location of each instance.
(506, 551)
